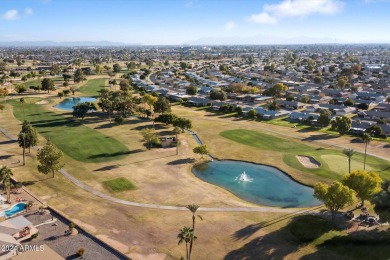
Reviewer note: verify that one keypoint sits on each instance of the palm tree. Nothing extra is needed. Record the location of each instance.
(22, 143)
(5, 179)
(366, 138)
(23, 101)
(388, 103)
(349, 153)
(193, 208)
(186, 235)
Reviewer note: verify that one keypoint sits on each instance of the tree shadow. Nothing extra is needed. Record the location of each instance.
(143, 127)
(74, 256)
(105, 155)
(308, 129)
(107, 168)
(367, 244)
(5, 157)
(319, 137)
(8, 142)
(356, 140)
(277, 244)
(182, 161)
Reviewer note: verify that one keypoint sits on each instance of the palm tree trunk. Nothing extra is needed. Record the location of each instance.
(9, 194)
(53, 173)
(193, 233)
(349, 165)
(187, 253)
(24, 152)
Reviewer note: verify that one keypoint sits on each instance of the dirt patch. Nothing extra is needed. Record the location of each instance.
(114, 243)
(90, 228)
(42, 102)
(148, 257)
(308, 162)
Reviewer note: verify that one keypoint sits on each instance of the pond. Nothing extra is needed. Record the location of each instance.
(68, 103)
(259, 184)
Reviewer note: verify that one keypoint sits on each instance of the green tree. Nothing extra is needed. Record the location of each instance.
(305, 99)
(74, 89)
(116, 68)
(374, 130)
(202, 150)
(5, 178)
(218, 95)
(349, 102)
(342, 124)
(324, 118)
(162, 105)
(150, 137)
(80, 110)
(49, 157)
(276, 90)
(150, 100)
(364, 183)
(20, 88)
(31, 135)
(124, 85)
(252, 114)
(366, 139)
(186, 235)
(274, 105)
(382, 198)
(78, 76)
(165, 119)
(99, 69)
(335, 196)
(47, 85)
(182, 123)
(349, 153)
(191, 90)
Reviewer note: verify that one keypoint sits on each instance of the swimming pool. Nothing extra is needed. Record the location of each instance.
(15, 209)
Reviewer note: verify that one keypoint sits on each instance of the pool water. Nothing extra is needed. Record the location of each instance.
(265, 185)
(68, 103)
(14, 209)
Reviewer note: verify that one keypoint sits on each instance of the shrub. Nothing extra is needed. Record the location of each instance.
(81, 251)
(71, 226)
(34, 235)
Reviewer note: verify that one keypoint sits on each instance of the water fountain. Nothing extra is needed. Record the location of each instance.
(244, 178)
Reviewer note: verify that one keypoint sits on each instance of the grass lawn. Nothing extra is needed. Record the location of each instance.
(333, 163)
(72, 137)
(119, 184)
(92, 87)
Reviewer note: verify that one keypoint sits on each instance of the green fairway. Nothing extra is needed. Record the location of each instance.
(73, 138)
(119, 184)
(333, 163)
(92, 87)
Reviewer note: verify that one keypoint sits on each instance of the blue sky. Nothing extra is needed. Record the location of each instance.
(180, 21)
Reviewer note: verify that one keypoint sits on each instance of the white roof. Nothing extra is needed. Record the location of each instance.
(18, 223)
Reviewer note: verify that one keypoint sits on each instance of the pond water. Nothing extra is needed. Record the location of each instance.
(257, 183)
(68, 103)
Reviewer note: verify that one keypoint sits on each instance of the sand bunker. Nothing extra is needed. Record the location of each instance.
(42, 102)
(308, 162)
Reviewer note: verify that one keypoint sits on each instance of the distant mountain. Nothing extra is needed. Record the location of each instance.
(64, 44)
(261, 40)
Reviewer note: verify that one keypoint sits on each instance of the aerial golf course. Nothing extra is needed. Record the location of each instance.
(113, 159)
